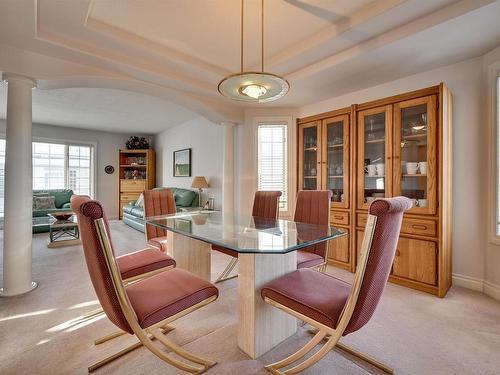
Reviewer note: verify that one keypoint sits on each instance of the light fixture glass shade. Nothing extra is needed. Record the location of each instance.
(254, 87)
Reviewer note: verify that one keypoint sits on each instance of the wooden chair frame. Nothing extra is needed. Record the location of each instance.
(154, 332)
(323, 332)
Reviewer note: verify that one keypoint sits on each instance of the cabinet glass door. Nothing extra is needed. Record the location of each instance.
(310, 158)
(415, 152)
(374, 153)
(336, 159)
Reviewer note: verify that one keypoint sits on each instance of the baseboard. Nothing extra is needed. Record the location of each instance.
(479, 285)
(468, 282)
(492, 290)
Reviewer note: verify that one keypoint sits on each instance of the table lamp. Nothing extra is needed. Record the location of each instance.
(199, 182)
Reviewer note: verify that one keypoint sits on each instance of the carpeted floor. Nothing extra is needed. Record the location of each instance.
(41, 333)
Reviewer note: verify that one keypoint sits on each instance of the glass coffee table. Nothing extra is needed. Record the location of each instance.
(62, 231)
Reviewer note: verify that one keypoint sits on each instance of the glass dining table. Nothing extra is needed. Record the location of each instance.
(267, 249)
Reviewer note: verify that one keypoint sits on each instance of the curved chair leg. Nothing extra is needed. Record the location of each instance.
(273, 368)
(180, 351)
(165, 329)
(146, 341)
(111, 358)
(332, 341)
(225, 274)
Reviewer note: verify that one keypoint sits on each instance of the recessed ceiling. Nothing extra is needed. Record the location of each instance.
(178, 50)
(103, 109)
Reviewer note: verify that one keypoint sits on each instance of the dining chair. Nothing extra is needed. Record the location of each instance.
(265, 205)
(334, 307)
(132, 266)
(158, 202)
(313, 207)
(144, 307)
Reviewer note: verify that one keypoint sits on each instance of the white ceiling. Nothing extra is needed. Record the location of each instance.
(115, 64)
(103, 109)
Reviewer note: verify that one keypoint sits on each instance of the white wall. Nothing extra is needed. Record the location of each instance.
(469, 155)
(205, 138)
(106, 153)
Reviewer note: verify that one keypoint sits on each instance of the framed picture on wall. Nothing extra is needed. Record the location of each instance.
(182, 163)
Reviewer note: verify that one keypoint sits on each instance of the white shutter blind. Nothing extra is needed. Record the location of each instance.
(272, 160)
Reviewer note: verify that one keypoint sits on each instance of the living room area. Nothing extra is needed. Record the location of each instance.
(253, 186)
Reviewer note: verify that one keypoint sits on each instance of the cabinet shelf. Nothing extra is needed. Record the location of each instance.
(339, 145)
(310, 176)
(378, 140)
(414, 175)
(414, 136)
(311, 149)
(133, 166)
(377, 176)
(336, 176)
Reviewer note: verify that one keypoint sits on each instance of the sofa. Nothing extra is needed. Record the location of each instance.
(133, 212)
(62, 199)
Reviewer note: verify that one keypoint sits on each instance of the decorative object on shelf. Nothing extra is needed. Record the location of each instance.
(137, 143)
(182, 163)
(253, 87)
(200, 183)
(109, 169)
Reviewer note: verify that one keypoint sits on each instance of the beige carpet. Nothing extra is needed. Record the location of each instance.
(416, 333)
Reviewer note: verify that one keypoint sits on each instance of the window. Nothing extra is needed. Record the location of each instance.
(273, 160)
(63, 166)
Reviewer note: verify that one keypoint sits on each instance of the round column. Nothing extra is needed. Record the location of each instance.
(228, 168)
(18, 188)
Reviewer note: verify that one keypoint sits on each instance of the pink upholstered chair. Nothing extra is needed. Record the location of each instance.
(313, 207)
(146, 307)
(158, 202)
(265, 205)
(132, 266)
(334, 307)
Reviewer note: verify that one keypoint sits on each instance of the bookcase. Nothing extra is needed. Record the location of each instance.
(136, 174)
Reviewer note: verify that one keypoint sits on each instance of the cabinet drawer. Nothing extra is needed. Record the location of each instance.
(132, 185)
(339, 218)
(419, 227)
(416, 260)
(129, 197)
(361, 220)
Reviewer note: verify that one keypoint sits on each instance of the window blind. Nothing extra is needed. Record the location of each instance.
(273, 161)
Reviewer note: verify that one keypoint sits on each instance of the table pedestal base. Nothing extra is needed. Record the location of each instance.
(189, 254)
(261, 327)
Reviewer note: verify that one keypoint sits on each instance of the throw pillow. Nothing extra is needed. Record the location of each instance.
(43, 203)
(140, 201)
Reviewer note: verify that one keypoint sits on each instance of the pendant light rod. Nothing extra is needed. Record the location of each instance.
(262, 36)
(241, 41)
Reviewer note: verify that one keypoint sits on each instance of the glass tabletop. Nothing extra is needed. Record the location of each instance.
(246, 234)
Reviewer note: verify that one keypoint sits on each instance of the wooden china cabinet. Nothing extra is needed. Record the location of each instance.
(394, 146)
(324, 164)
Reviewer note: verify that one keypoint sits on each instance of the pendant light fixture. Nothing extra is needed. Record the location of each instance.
(253, 87)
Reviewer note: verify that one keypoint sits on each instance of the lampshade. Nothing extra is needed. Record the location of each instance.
(199, 182)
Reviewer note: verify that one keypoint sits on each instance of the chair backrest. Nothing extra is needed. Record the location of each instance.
(87, 211)
(158, 202)
(389, 214)
(313, 207)
(265, 204)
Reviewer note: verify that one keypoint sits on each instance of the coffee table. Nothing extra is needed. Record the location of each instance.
(61, 232)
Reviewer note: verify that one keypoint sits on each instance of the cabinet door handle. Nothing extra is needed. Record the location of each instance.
(419, 226)
(338, 217)
(398, 253)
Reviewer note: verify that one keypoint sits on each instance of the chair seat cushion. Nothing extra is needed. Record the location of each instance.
(306, 259)
(225, 250)
(142, 261)
(159, 242)
(168, 293)
(313, 294)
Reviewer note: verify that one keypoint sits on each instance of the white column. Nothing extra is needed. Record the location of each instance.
(228, 168)
(18, 188)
